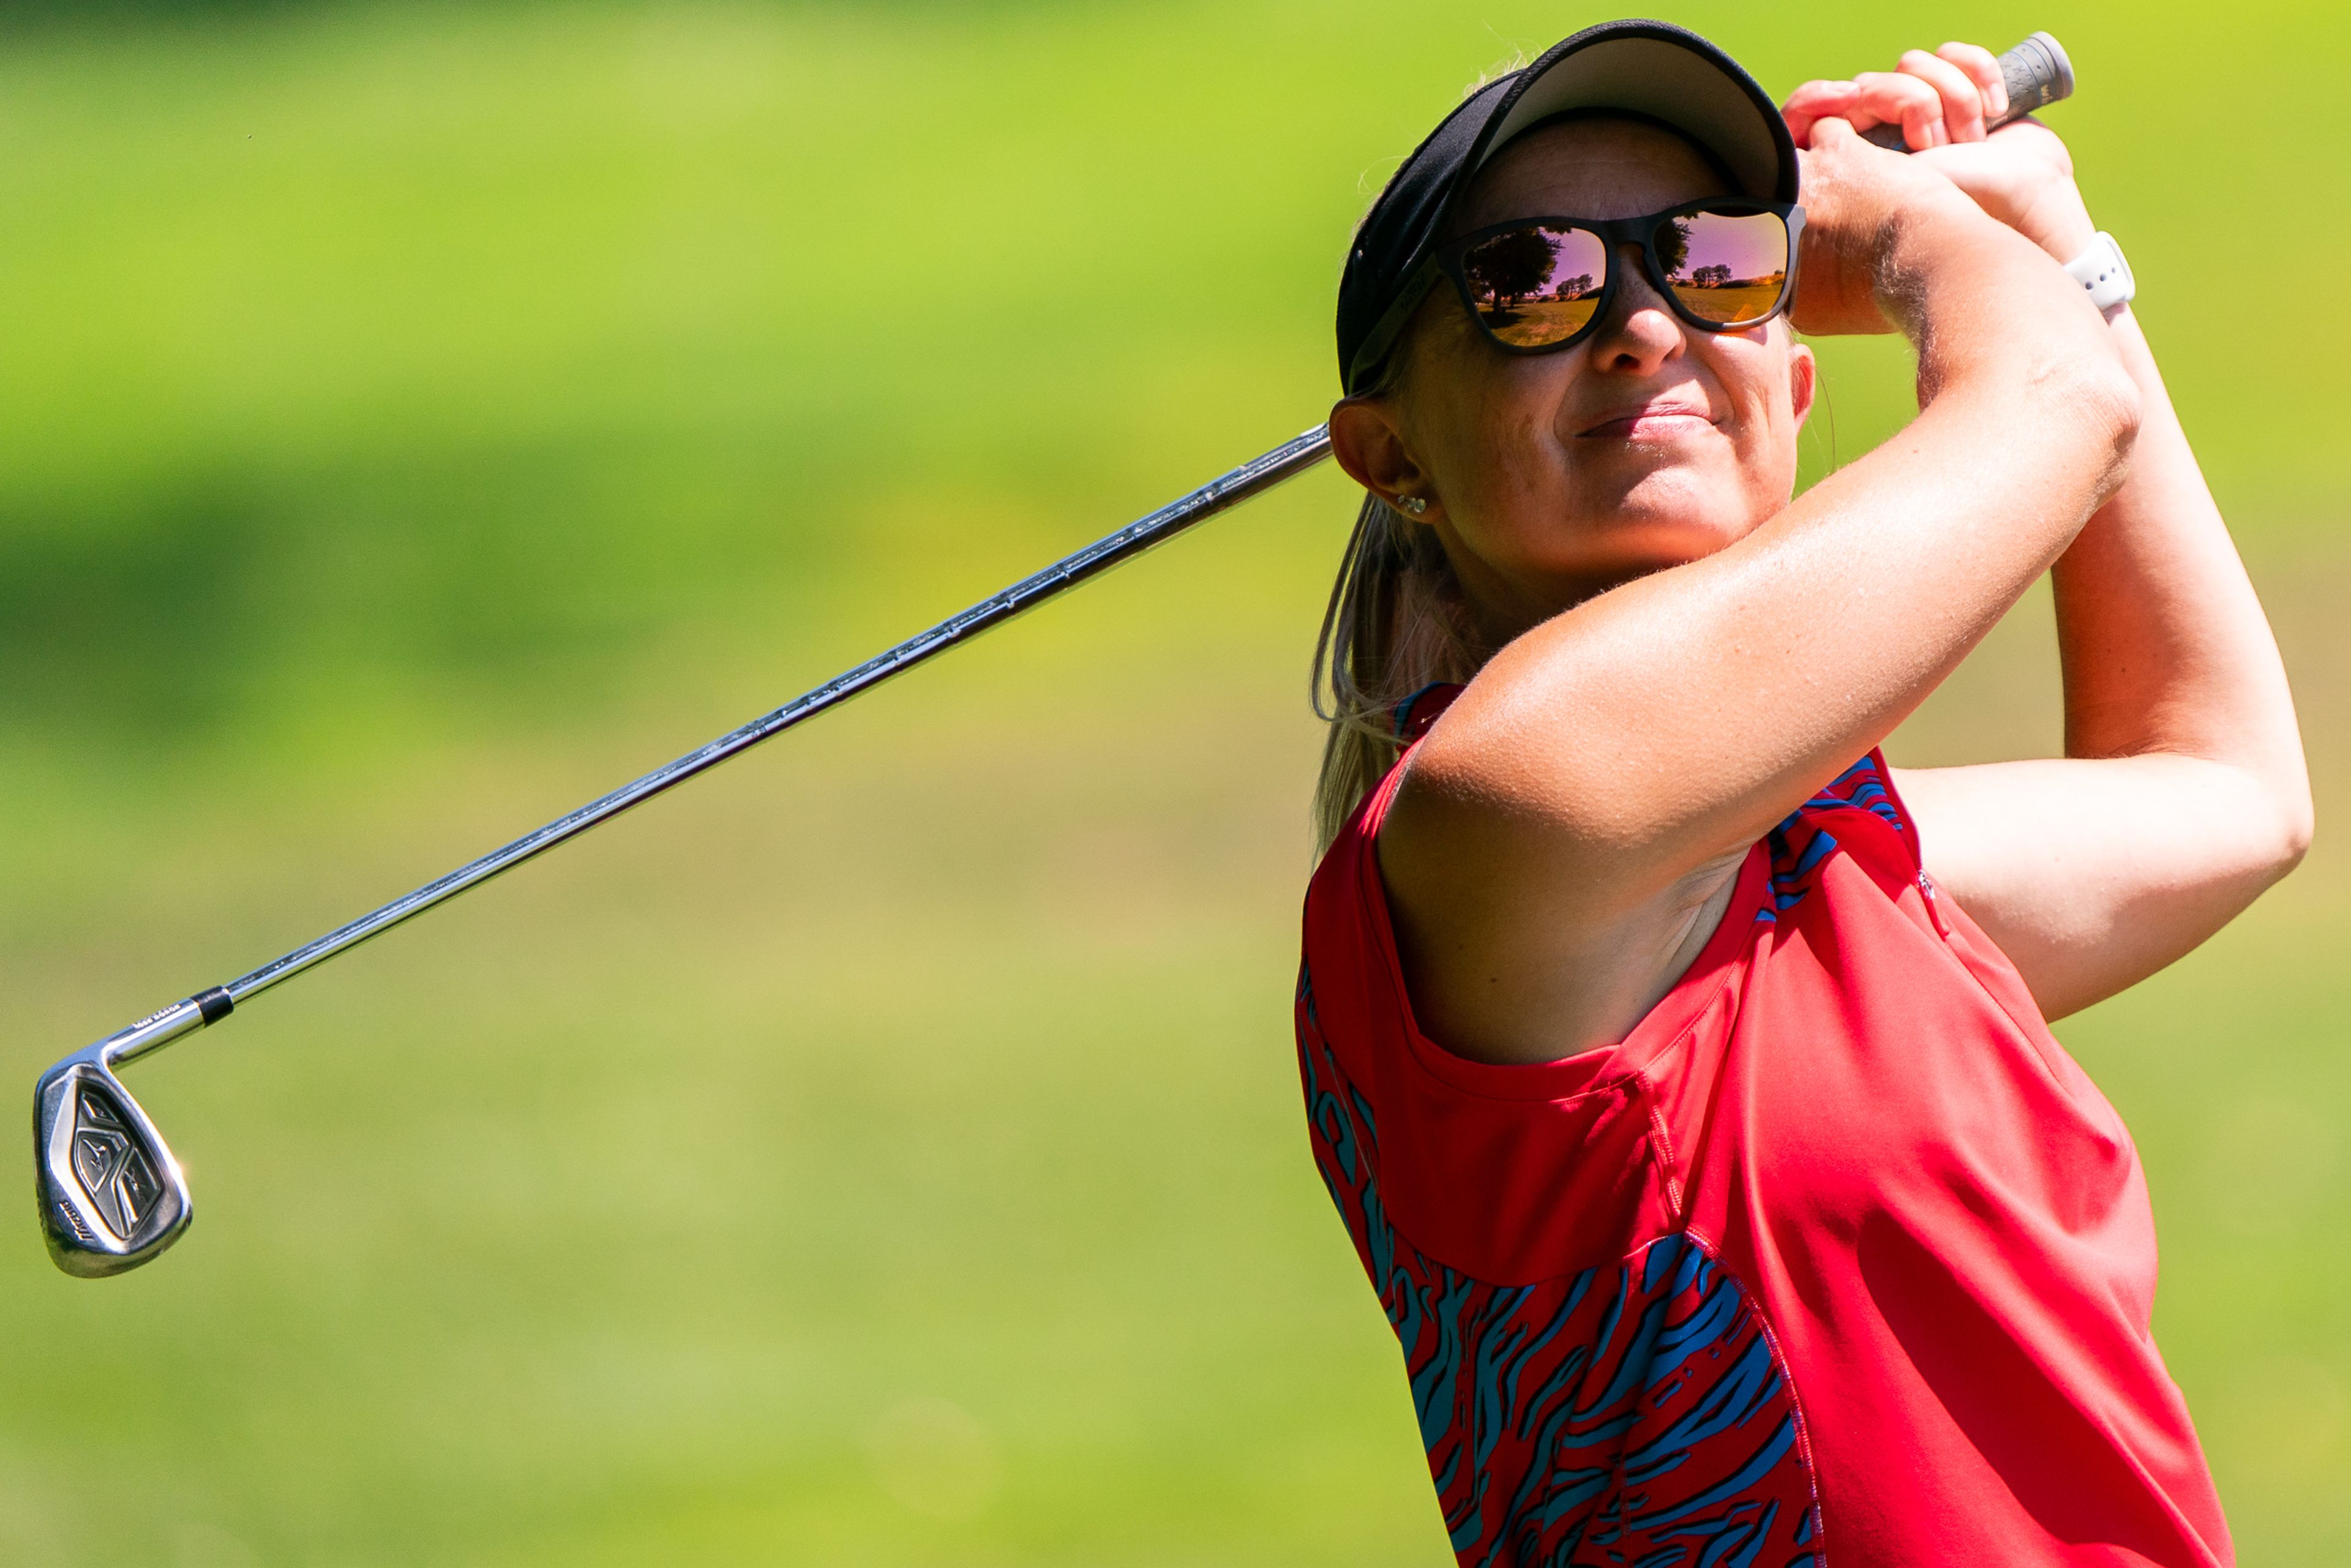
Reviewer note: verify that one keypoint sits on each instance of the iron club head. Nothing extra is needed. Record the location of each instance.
(111, 1196)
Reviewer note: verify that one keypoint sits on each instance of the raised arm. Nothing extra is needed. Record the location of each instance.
(1558, 840)
(2182, 793)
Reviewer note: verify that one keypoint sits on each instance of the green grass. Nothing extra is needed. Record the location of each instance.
(419, 419)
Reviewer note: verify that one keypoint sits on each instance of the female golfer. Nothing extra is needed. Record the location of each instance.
(1680, 1070)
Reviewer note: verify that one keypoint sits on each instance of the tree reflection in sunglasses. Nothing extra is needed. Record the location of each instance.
(1522, 297)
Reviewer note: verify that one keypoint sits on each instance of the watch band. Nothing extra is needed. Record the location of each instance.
(2102, 270)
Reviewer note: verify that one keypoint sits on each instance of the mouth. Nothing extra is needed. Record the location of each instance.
(1664, 420)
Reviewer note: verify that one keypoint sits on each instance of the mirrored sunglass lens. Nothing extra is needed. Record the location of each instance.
(1537, 285)
(1725, 267)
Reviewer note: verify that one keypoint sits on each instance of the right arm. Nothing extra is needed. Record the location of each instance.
(1558, 839)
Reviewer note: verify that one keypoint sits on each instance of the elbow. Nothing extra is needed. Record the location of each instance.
(2105, 401)
(2286, 837)
(2257, 824)
(2086, 404)
(2297, 819)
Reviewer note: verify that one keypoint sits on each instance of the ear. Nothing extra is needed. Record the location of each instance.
(1369, 443)
(1804, 380)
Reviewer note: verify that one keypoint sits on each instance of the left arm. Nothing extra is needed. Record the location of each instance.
(2182, 793)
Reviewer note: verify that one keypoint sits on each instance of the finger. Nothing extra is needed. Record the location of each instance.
(1813, 101)
(1984, 69)
(1816, 95)
(1963, 105)
(1897, 97)
(1831, 129)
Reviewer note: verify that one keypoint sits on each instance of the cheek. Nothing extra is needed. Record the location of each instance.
(1494, 443)
(1525, 480)
(1768, 457)
(1750, 474)
(1758, 382)
(1752, 368)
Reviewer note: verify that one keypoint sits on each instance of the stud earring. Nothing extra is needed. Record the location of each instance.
(1413, 506)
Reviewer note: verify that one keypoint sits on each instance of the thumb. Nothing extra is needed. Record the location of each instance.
(1832, 130)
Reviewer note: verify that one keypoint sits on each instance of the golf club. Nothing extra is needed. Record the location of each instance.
(111, 1196)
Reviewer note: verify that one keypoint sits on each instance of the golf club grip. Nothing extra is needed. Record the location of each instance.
(2038, 74)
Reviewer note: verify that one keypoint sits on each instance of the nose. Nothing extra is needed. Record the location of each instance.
(1640, 332)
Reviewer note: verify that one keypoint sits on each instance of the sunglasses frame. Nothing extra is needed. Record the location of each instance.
(1613, 235)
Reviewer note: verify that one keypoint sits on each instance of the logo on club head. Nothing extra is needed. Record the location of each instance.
(113, 1170)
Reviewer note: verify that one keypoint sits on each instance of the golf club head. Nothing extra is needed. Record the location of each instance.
(111, 1196)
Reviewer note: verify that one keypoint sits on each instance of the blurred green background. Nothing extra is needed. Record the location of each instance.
(416, 419)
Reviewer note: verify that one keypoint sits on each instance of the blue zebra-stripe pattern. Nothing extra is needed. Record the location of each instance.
(1799, 846)
(1630, 1416)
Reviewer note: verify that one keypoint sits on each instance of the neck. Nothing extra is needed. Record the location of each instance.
(1501, 608)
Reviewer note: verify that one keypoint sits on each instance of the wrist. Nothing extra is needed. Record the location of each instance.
(1930, 244)
(2068, 240)
(2053, 215)
(2104, 274)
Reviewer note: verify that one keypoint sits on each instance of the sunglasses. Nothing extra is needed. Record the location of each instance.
(1535, 286)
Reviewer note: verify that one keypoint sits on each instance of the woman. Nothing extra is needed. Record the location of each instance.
(1680, 1070)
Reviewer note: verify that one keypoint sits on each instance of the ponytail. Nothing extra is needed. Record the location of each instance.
(1396, 624)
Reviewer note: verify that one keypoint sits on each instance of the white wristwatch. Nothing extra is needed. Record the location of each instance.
(2102, 270)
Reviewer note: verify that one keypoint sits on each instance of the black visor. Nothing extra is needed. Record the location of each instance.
(1653, 70)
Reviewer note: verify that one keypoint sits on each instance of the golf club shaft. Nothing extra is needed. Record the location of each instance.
(1251, 478)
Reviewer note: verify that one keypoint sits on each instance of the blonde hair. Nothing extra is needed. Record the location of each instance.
(1396, 624)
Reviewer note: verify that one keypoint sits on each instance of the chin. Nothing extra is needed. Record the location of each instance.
(1600, 566)
(1634, 540)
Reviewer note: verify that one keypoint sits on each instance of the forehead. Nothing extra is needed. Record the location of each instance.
(1594, 168)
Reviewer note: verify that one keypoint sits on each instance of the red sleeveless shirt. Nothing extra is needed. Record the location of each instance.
(1837, 1259)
